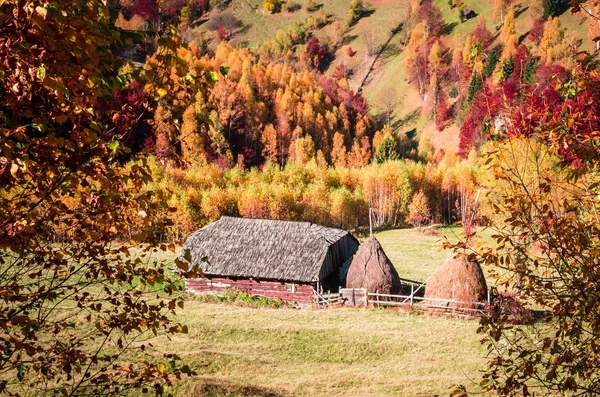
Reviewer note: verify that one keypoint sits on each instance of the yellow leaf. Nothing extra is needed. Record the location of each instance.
(13, 169)
(91, 83)
(42, 11)
(162, 92)
(160, 367)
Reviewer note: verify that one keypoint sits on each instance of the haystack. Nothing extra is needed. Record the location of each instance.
(457, 279)
(372, 269)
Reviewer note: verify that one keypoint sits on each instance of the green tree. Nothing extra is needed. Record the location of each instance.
(475, 86)
(75, 307)
(387, 150)
(553, 8)
(356, 12)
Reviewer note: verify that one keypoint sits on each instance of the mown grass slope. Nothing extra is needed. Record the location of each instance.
(335, 352)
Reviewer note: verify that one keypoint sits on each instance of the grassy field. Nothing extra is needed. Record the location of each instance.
(336, 352)
(415, 255)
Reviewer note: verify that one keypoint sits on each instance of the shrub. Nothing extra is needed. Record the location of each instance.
(507, 309)
(237, 297)
(272, 6)
(290, 6)
(453, 93)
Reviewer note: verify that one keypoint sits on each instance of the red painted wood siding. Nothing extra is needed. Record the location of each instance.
(272, 289)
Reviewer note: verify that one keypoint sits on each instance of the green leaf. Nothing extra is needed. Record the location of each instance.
(20, 371)
(187, 255)
(212, 78)
(41, 73)
(224, 70)
(113, 146)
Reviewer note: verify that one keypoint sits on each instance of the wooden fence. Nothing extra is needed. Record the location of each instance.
(453, 305)
(327, 299)
(360, 297)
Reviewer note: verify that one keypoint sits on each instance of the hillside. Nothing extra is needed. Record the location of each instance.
(378, 65)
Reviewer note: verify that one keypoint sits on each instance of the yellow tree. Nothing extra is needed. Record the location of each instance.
(414, 56)
(191, 142)
(418, 210)
(338, 152)
(508, 35)
(302, 150)
(500, 9)
(468, 51)
(557, 45)
(434, 67)
(359, 155)
(270, 142)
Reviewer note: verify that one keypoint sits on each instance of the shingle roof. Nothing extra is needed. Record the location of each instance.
(263, 249)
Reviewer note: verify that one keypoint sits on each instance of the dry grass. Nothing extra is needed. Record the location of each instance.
(339, 352)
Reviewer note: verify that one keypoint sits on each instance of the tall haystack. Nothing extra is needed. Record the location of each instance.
(372, 269)
(457, 279)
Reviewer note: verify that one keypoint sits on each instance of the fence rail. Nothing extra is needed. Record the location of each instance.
(360, 297)
(327, 299)
(425, 302)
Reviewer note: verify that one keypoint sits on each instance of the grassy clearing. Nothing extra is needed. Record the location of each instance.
(415, 255)
(336, 352)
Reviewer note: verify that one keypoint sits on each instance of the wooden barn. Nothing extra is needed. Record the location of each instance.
(278, 259)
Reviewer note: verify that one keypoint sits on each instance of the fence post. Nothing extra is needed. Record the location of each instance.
(488, 296)
(453, 302)
(366, 298)
(412, 292)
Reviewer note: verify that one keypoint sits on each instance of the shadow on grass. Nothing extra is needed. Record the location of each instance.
(349, 39)
(222, 389)
(448, 28)
(407, 120)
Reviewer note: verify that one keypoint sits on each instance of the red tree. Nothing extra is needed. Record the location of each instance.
(482, 33)
(432, 15)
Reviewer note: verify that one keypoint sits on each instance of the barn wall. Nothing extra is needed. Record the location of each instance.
(302, 293)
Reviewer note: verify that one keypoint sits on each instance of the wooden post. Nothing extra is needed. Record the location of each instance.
(412, 291)
(453, 305)
(488, 296)
(370, 222)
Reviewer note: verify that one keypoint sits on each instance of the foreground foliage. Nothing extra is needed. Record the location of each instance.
(547, 244)
(71, 302)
